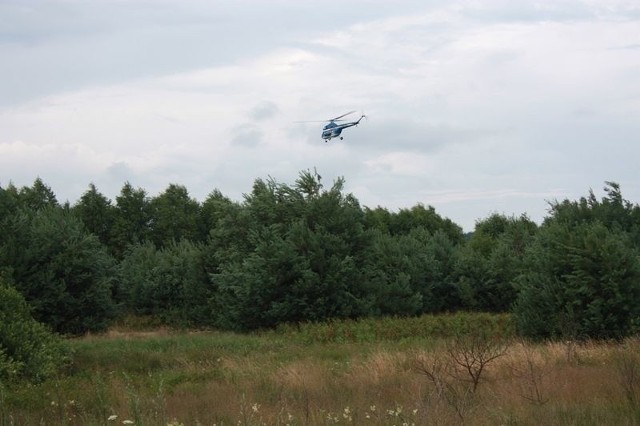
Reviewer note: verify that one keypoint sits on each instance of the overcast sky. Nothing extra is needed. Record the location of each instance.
(474, 106)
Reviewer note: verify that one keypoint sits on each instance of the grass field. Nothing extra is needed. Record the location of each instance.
(444, 370)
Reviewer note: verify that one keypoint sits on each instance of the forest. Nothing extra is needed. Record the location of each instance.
(301, 253)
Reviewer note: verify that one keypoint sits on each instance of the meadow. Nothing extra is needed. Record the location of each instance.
(431, 370)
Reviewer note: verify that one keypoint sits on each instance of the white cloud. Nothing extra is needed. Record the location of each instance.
(401, 163)
(489, 103)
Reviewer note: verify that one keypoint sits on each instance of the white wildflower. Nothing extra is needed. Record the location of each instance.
(347, 414)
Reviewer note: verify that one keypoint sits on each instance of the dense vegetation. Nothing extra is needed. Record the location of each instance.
(27, 349)
(305, 253)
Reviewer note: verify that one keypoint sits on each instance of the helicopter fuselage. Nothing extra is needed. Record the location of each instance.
(333, 130)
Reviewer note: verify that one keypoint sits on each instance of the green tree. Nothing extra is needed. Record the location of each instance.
(391, 271)
(212, 211)
(9, 206)
(97, 214)
(439, 278)
(425, 217)
(170, 283)
(174, 216)
(64, 272)
(583, 271)
(135, 279)
(613, 211)
(9, 201)
(582, 282)
(38, 196)
(297, 258)
(378, 218)
(492, 260)
(132, 219)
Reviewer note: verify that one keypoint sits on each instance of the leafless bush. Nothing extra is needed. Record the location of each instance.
(446, 387)
(531, 372)
(456, 375)
(471, 353)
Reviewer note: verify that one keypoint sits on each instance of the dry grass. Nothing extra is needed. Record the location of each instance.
(221, 379)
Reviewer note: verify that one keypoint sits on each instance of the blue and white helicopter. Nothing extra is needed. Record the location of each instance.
(333, 130)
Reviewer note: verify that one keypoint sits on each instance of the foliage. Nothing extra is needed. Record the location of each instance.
(132, 219)
(174, 215)
(97, 214)
(492, 260)
(441, 252)
(391, 274)
(303, 252)
(406, 220)
(64, 273)
(413, 273)
(9, 201)
(298, 260)
(37, 197)
(613, 211)
(583, 275)
(28, 350)
(169, 283)
(212, 211)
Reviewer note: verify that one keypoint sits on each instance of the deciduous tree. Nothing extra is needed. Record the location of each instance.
(132, 219)
(174, 216)
(583, 275)
(64, 272)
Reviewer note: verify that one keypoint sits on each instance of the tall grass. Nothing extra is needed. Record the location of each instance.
(430, 327)
(350, 372)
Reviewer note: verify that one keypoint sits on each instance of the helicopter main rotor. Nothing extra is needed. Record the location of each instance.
(338, 118)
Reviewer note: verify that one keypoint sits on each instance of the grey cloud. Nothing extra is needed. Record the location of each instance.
(264, 111)
(383, 134)
(247, 135)
(57, 46)
(120, 171)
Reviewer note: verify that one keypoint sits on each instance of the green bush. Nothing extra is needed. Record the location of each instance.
(28, 350)
(169, 283)
(64, 273)
(582, 275)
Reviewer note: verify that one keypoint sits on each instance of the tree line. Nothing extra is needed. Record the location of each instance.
(300, 252)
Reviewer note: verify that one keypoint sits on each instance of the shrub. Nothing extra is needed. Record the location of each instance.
(64, 272)
(28, 350)
(584, 282)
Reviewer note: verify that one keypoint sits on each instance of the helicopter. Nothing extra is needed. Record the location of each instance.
(333, 130)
